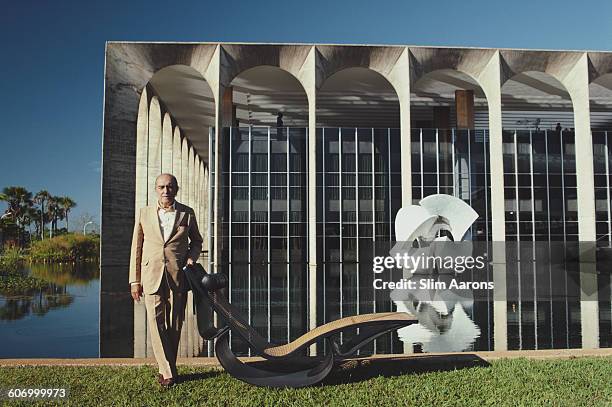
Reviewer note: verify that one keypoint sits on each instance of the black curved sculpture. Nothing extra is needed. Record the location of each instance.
(292, 371)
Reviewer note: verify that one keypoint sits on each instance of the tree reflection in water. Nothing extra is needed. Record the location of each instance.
(54, 296)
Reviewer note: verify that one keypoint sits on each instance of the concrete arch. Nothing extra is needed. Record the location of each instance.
(155, 146)
(260, 92)
(556, 64)
(440, 86)
(524, 90)
(393, 63)
(472, 62)
(166, 151)
(142, 151)
(134, 64)
(236, 59)
(332, 59)
(599, 64)
(190, 101)
(600, 97)
(184, 189)
(176, 155)
(570, 69)
(364, 92)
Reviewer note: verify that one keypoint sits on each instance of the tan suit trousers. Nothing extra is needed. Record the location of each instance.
(165, 316)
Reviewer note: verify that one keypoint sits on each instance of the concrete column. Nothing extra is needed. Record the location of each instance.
(201, 196)
(166, 160)
(464, 105)
(142, 146)
(490, 80)
(308, 77)
(191, 181)
(205, 227)
(154, 167)
(577, 84)
(142, 141)
(155, 135)
(176, 158)
(184, 187)
(218, 90)
(400, 78)
(197, 189)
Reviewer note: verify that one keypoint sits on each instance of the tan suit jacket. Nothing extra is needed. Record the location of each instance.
(151, 255)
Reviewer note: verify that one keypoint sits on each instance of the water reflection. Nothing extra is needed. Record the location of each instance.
(443, 314)
(58, 277)
(64, 313)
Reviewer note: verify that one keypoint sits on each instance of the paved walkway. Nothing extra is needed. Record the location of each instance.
(212, 362)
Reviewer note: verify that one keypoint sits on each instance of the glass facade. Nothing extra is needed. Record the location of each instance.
(540, 206)
(602, 168)
(264, 230)
(264, 235)
(359, 185)
(540, 186)
(602, 160)
(454, 162)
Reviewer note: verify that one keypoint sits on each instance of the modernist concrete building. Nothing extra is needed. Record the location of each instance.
(291, 211)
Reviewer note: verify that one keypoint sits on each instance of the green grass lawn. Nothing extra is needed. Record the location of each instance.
(512, 382)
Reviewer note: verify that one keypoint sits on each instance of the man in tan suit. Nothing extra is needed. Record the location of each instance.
(166, 238)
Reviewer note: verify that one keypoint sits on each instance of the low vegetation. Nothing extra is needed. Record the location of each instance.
(69, 248)
(11, 260)
(20, 285)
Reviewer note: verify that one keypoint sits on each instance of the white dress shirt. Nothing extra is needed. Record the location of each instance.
(166, 218)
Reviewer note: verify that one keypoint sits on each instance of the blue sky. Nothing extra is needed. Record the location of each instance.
(51, 86)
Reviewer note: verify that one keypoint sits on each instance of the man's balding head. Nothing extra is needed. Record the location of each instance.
(166, 187)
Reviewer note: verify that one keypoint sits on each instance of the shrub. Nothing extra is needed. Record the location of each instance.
(20, 285)
(10, 260)
(66, 248)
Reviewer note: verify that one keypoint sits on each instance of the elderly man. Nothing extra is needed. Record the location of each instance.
(166, 238)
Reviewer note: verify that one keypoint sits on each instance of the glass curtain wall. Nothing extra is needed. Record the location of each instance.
(540, 206)
(602, 166)
(456, 162)
(358, 194)
(264, 232)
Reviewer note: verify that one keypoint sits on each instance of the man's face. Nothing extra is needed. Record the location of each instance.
(166, 190)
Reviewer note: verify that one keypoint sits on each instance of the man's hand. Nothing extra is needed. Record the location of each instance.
(190, 262)
(136, 292)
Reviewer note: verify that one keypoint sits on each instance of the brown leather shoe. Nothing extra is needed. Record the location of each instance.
(167, 383)
(160, 377)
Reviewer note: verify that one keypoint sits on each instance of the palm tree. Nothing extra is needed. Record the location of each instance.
(40, 198)
(19, 200)
(66, 204)
(53, 212)
(32, 216)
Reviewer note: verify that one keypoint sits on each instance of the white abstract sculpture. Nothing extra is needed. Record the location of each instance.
(427, 228)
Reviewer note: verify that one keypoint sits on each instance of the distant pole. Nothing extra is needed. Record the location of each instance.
(85, 226)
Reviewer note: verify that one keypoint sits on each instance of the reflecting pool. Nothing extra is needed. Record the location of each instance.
(60, 320)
